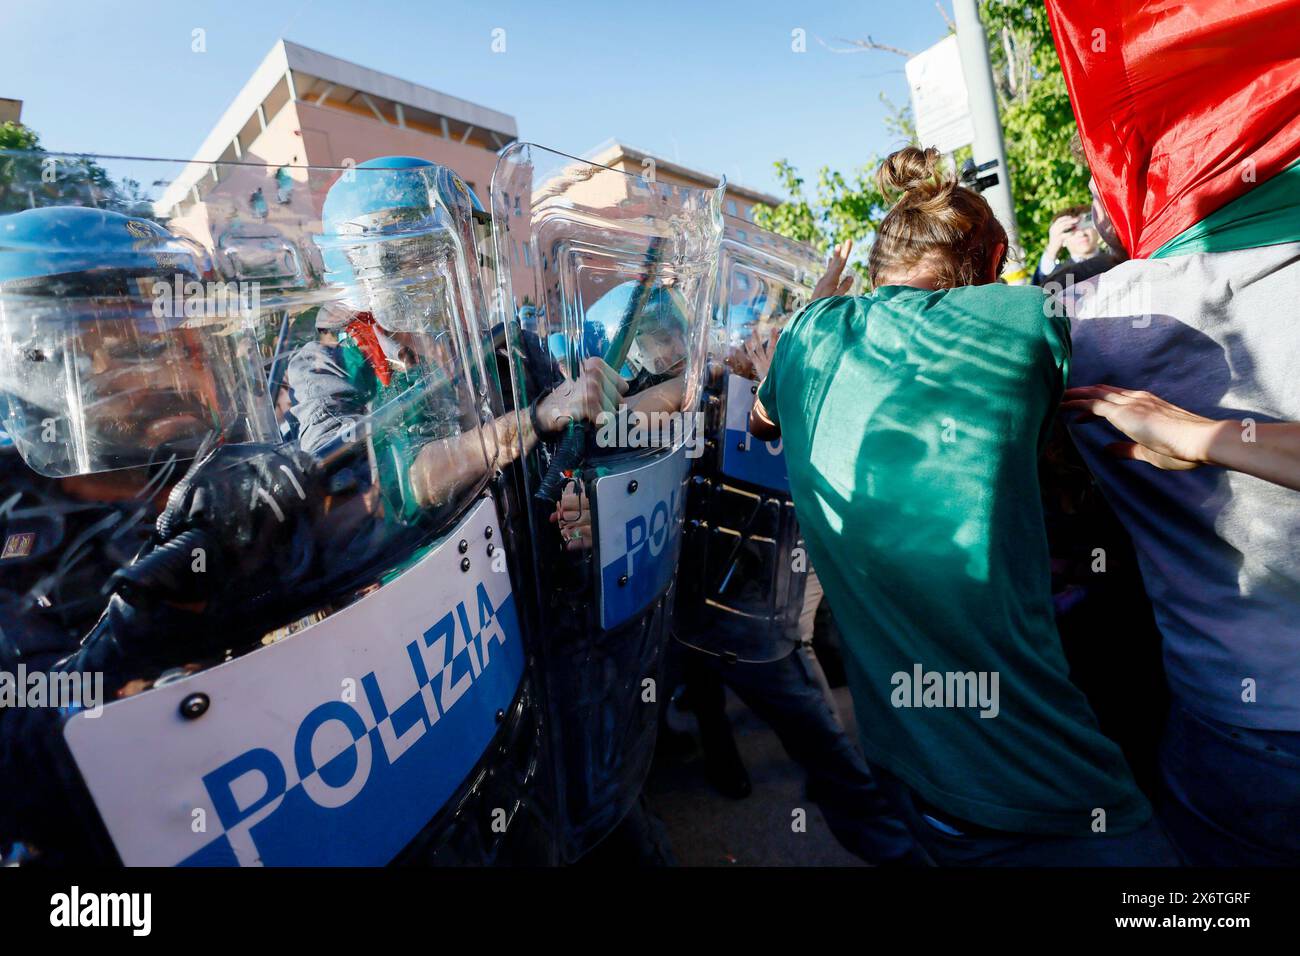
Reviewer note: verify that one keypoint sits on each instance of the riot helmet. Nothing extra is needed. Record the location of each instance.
(116, 347)
(659, 346)
(381, 233)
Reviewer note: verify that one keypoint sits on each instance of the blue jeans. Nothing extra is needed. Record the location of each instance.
(952, 842)
(1231, 794)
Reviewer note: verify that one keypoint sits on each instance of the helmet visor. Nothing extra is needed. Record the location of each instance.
(92, 386)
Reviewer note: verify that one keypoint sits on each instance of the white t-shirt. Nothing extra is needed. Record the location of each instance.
(1219, 334)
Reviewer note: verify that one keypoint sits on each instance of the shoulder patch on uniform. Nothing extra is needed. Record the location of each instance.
(18, 545)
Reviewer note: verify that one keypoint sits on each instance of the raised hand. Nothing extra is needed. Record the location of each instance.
(759, 349)
(833, 281)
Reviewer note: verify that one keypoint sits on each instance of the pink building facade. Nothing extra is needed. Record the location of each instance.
(306, 108)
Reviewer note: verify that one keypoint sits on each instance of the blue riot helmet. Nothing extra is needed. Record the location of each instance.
(659, 347)
(385, 225)
(114, 345)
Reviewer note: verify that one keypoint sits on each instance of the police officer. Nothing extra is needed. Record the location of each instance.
(103, 396)
(256, 534)
(393, 329)
(60, 540)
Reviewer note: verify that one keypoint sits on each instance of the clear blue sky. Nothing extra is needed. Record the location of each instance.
(713, 85)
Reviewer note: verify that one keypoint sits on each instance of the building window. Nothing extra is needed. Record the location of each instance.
(731, 207)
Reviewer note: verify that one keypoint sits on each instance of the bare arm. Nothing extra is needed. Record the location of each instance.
(664, 397)
(761, 425)
(760, 350)
(1273, 455)
(1175, 439)
(443, 466)
(448, 464)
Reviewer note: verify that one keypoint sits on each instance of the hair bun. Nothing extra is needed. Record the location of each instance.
(907, 169)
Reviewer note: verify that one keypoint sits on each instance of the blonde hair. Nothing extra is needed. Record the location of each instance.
(936, 222)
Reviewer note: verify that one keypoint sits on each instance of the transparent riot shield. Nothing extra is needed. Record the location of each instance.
(259, 553)
(744, 565)
(605, 274)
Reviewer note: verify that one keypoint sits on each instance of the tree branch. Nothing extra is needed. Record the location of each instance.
(946, 19)
(862, 46)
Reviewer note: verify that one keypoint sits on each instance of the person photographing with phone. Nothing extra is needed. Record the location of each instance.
(1074, 231)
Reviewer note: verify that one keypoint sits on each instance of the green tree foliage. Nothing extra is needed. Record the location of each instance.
(17, 136)
(841, 208)
(1037, 119)
(30, 176)
(1037, 122)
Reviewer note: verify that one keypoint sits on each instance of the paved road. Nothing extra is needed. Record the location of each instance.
(708, 829)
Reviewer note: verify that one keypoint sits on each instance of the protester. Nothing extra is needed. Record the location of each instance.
(912, 420)
(1074, 231)
(1205, 200)
(1217, 549)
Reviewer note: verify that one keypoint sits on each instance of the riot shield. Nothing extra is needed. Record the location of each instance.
(605, 273)
(254, 414)
(743, 563)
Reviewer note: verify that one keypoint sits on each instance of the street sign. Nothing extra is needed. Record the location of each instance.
(939, 98)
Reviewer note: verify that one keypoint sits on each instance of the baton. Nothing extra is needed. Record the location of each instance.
(569, 454)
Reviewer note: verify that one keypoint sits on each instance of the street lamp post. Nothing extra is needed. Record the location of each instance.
(988, 146)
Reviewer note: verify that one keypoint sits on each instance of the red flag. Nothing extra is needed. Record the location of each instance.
(362, 330)
(1182, 106)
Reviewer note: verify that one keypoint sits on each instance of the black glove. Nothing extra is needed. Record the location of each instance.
(239, 525)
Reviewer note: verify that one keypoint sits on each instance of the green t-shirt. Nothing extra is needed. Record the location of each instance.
(912, 422)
